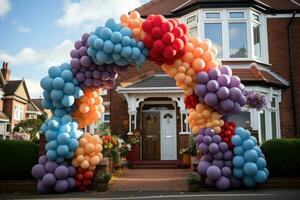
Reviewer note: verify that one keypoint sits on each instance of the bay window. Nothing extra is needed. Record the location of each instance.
(256, 35)
(192, 25)
(238, 40)
(213, 31)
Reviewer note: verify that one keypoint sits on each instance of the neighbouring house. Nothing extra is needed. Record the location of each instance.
(257, 38)
(15, 103)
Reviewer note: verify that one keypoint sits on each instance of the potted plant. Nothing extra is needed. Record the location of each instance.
(193, 181)
(134, 140)
(101, 181)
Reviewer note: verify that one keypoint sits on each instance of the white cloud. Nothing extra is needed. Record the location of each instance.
(23, 29)
(87, 14)
(4, 7)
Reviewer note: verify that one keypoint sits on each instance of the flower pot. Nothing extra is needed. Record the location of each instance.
(186, 159)
(194, 187)
(194, 163)
(102, 187)
(107, 164)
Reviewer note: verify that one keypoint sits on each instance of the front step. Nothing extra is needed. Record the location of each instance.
(155, 164)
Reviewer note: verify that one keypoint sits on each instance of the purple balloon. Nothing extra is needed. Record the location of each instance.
(61, 172)
(78, 44)
(202, 78)
(208, 157)
(85, 61)
(83, 51)
(38, 171)
(227, 104)
(97, 83)
(209, 182)
(50, 166)
(75, 53)
(218, 156)
(96, 74)
(75, 63)
(71, 170)
(200, 90)
(213, 148)
(214, 73)
(71, 183)
(212, 85)
(228, 155)
(105, 76)
(235, 93)
(43, 160)
(61, 186)
(236, 108)
(49, 180)
(223, 183)
(224, 80)
(88, 82)
(85, 37)
(202, 167)
(242, 100)
(203, 148)
(213, 173)
(199, 138)
(80, 76)
(209, 131)
(226, 171)
(88, 74)
(42, 189)
(211, 99)
(223, 147)
(218, 163)
(228, 163)
(216, 139)
(224, 69)
(223, 93)
(235, 81)
(207, 139)
(242, 87)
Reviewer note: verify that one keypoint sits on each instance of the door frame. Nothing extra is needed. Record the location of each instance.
(141, 124)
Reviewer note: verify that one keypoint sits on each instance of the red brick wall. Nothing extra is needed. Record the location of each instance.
(278, 55)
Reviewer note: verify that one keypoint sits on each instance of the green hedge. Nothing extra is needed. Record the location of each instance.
(283, 156)
(17, 159)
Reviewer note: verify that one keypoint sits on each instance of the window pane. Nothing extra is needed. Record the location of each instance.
(106, 117)
(236, 15)
(273, 104)
(274, 125)
(213, 15)
(263, 126)
(256, 39)
(238, 40)
(191, 19)
(193, 31)
(256, 17)
(240, 118)
(213, 31)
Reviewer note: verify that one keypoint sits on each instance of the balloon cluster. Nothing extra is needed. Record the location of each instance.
(249, 162)
(204, 116)
(134, 22)
(53, 177)
(220, 90)
(61, 134)
(87, 73)
(60, 89)
(114, 44)
(191, 101)
(227, 132)
(83, 178)
(89, 108)
(88, 154)
(165, 39)
(215, 165)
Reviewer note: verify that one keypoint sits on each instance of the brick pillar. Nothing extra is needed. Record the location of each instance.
(42, 144)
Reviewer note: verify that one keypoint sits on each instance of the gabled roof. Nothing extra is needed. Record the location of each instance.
(176, 8)
(38, 103)
(33, 108)
(12, 86)
(3, 117)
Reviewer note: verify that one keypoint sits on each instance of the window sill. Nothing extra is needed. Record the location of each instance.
(184, 133)
(245, 60)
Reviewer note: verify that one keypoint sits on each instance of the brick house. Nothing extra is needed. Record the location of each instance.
(15, 103)
(257, 38)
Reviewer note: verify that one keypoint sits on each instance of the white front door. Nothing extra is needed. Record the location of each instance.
(168, 143)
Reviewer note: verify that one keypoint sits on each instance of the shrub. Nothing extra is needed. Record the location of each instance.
(102, 177)
(282, 156)
(17, 159)
(193, 179)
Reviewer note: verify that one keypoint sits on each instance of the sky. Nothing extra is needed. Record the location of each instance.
(35, 34)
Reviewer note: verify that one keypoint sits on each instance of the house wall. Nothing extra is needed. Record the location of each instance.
(8, 109)
(278, 55)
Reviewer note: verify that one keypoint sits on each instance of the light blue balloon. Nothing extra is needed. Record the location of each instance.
(141, 60)
(44, 128)
(125, 31)
(118, 27)
(253, 139)
(145, 52)
(126, 52)
(70, 155)
(260, 176)
(108, 46)
(105, 33)
(238, 150)
(135, 53)
(59, 159)
(236, 140)
(51, 154)
(51, 145)
(65, 128)
(54, 72)
(126, 41)
(266, 171)
(50, 135)
(47, 83)
(58, 83)
(122, 62)
(78, 93)
(67, 75)
(46, 95)
(239, 131)
(116, 37)
(98, 30)
(56, 95)
(68, 100)
(250, 168)
(140, 45)
(116, 56)
(133, 43)
(238, 173)
(98, 44)
(57, 104)
(249, 181)
(53, 124)
(250, 155)
(74, 126)
(261, 163)
(117, 48)
(63, 138)
(69, 88)
(110, 23)
(258, 150)
(91, 40)
(248, 144)
(238, 161)
(245, 135)
(62, 150)
(65, 66)
(66, 119)
(47, 104)
(73, 144)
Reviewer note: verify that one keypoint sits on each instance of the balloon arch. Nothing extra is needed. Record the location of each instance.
(231, 157)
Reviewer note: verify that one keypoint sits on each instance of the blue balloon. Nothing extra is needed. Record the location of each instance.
(63, 138)
(260, 176)
(57, 104)
(54, 72)
(53, 124)
(108, 46)
(250, 168)
(65, 66)
(117, 48)
(249, 181)
(69, 88)
(91, 40)
(58, 83)
(67, 75)
(125, 31)
(98, 44)
(266, 171)
(105, 33)
(73, 144)
(236, 140)
(78, 93)
(126, 52)
(238, 161)
(59, 159)
(47, 104)
(238, 173)
(238, 150)
(56, 95)
(70, 155)
(66, 119)
(116, 37)
(47, 95)
(258, 150)
(98, 30)
(62, 150)
(248, 144)
(44, 127)
(239, 131)
(47, 83)
(50, 135)
(135, 53)
(92, 52)
(51, 145)
(261, 163)
(118, 27)
(140, 45)
(110, 23)
(68, 100)
(133, 43)
(65, 128)
(126, 41)
(51, 154)
(245, 134)
(250, 155)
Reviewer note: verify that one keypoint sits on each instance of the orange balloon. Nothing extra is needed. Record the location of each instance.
(198, 64)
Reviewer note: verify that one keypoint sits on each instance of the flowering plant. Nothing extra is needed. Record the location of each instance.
(135, 138)
(255, 100)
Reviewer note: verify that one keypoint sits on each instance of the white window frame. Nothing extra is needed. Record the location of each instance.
(192, 24)
(18, 112)
(103, 117)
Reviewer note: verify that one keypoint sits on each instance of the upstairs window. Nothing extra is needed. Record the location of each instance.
(256, 34)
(18, 112)
(191, 22)
(238, 40)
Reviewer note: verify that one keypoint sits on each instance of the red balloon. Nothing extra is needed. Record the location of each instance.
(156, 33)
(147, 26)
(168, 38)
(88, 175)
(79, 177)
(151, 17)
(174, 22)
(158, 46)
(184, 28)
(227, 132)
(158, 20)
(184, 38)
(148, 41)
(178, 44)
(177, 31)
(169, 52)
(87, 182)
(191, 101)
(167, 27)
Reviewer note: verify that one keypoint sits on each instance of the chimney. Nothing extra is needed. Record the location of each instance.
(5, 71)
